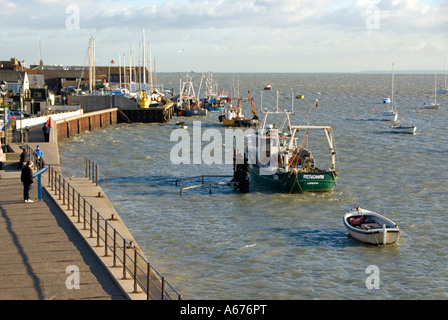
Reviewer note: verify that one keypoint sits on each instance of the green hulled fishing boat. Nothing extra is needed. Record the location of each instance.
(282, 160)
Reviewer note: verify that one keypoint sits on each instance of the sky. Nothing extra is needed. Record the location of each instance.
(230, 35)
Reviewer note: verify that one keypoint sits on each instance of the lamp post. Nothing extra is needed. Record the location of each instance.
(3, 92)
(21, 106)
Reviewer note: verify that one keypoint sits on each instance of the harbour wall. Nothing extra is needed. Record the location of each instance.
(69, 127)
(129, 110)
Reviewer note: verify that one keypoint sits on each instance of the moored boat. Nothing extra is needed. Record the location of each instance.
(435, 104)
(233, 116)
(280, 163)
(404, 129)
(371, 227)
(391, 114)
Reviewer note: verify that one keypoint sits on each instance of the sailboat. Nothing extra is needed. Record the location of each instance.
(392, 114)
(446, 88)
(280, 162)
(434, 105)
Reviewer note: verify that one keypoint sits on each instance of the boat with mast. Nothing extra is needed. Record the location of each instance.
(391, 114)
(444, 90)
(282, 161)
(233, 116)
(433, 105)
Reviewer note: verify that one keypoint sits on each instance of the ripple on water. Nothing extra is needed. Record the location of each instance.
(263, 245)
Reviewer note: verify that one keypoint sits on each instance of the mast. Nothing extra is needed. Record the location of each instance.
(150, 67)
(435, 90)
(144, 59)
(392, 100)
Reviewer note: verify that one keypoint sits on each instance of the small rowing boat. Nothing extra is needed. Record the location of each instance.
(370, 227)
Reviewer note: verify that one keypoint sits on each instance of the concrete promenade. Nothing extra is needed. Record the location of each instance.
(40, 246)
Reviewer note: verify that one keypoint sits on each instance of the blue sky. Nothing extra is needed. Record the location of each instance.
(232, 36)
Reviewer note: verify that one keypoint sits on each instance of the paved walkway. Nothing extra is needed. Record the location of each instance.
(40, 248)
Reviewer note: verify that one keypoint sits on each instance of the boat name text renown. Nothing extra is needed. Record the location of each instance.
(312, 176)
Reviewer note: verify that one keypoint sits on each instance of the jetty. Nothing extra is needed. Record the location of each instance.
(69, 243)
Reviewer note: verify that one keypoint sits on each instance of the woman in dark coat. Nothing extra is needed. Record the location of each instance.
(27, 180)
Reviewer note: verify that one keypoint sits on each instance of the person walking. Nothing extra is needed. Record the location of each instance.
(46, 128)
(27, 180)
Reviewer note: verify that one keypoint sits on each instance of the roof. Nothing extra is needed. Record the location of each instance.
(11, 76)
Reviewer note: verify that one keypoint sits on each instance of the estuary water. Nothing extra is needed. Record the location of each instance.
(265, 245)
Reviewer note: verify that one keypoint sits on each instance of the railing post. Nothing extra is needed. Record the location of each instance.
(163, 288)
(148, 270)
(79, 207)
(59, 187)
(68, 196)
(98, 229)
(135, 271)
(96, 175)
(63, 191)
(124, 259)
(73, 201)
(115, 249)
(49, 176)
(91, 221)
(105, 239)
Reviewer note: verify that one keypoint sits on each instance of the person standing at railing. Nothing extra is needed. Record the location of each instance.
(27, 180)
(38, 152)
(40, 163)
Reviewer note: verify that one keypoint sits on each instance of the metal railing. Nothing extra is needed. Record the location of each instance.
(123, 252)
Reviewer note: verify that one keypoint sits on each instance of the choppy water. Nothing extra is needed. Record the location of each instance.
(264, 245)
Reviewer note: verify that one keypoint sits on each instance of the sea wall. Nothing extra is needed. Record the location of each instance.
(90, 121)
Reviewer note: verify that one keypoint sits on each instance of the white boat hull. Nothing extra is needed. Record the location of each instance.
(389, 115)
(376, 228)
(404, 129)
(432, 106)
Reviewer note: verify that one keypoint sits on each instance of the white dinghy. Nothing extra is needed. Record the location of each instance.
(403, 129)
(370, 227)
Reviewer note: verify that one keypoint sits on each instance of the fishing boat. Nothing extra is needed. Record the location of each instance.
(433, 105)
(403, 129)
(233, 116)
(188, 104)
(278, 162)
(391, 114)
(212, 100)
(370, 227)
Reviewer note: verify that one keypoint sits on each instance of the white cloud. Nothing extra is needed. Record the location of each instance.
(272, 31)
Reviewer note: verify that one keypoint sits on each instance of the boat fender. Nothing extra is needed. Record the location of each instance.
(166, 118)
